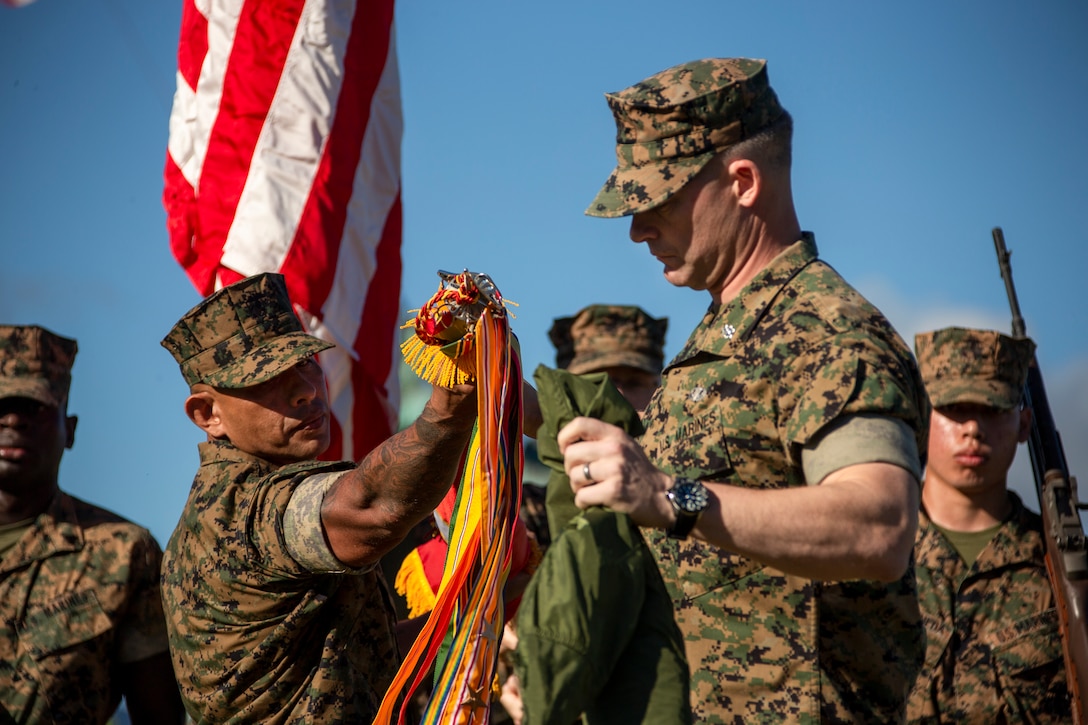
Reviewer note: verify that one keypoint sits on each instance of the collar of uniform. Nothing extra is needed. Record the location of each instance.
(932, 550)
(1017, 541)
(55, 531)
(213, 452)
(726, 326)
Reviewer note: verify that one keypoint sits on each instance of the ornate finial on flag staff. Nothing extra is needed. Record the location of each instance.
(442, 351)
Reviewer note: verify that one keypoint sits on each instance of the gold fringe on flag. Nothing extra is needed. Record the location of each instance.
(412, 584)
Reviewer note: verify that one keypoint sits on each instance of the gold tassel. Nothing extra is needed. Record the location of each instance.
(411, 583)
(442, 366)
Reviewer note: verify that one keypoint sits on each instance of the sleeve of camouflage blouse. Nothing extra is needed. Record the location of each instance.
(142, 633)
(303, 532)
(844, 376)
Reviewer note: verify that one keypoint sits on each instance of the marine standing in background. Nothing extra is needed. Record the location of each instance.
(994, 650)
(277, 611)
(81, 622)
(622, 341)
(779, 469)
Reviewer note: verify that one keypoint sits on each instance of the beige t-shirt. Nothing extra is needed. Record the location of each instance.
(861, 438)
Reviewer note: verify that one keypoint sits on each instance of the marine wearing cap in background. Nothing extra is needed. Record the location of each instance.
(66, 563)
(983, 588)
(35, 364)
(283, 525)
(986, 367)
(621, 340)
(604, 336)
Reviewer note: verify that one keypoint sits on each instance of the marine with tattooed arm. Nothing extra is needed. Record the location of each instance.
(276, 610)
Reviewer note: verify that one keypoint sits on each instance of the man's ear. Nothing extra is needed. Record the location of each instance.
(1025, 425)
(747, 181)
(70, 427)
(202, 408)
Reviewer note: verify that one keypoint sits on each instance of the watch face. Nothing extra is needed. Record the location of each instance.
(690, 496)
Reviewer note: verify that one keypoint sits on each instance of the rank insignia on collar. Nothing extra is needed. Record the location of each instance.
(728, 331)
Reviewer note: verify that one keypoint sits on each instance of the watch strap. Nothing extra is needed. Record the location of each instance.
(683, 524)
(685, 520)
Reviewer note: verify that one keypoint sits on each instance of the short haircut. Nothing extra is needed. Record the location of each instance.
(772, 145)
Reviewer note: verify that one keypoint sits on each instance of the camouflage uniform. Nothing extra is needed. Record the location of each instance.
(265, 624)
(79, 595)
(79, 591)
(993, 650)
(255, 634)
(758, 379)
(797, 357)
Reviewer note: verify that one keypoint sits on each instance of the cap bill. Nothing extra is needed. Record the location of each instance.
(636, 189)
(267, 361)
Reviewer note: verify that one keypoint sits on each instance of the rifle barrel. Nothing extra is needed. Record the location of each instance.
(1063, 531)
(1003, 254)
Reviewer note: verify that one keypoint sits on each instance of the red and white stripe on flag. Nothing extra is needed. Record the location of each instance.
(284, 155)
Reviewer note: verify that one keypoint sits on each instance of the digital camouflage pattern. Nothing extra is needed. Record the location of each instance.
(255, 635)
(241, 335)
(79, 595)
(757, 380)
(603, 336)
(993, 650)
(961, 365)
(671, 124)
(35, 363)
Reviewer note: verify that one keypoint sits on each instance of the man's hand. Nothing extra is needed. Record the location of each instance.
(620, 475)
(456, 403)
(510, 699)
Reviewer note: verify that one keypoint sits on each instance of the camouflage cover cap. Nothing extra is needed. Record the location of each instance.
(604, 336)
(35, 364)
(985, 367)
(669, 125)
(241, 335)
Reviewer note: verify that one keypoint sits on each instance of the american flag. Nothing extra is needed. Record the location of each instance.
(284, 155)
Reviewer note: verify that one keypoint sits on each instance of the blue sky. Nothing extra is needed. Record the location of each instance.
(919, 127)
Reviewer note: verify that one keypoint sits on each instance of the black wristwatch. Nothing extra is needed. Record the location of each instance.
(689, 499)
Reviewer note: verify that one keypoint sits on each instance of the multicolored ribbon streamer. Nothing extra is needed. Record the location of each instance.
(465, 319)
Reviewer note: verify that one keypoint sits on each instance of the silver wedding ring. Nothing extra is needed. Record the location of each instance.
(585, 473)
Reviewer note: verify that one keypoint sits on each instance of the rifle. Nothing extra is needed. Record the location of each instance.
(1066, 544)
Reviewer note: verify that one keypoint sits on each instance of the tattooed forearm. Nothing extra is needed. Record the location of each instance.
(408, 474)
(371, 508)
(412, 471)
